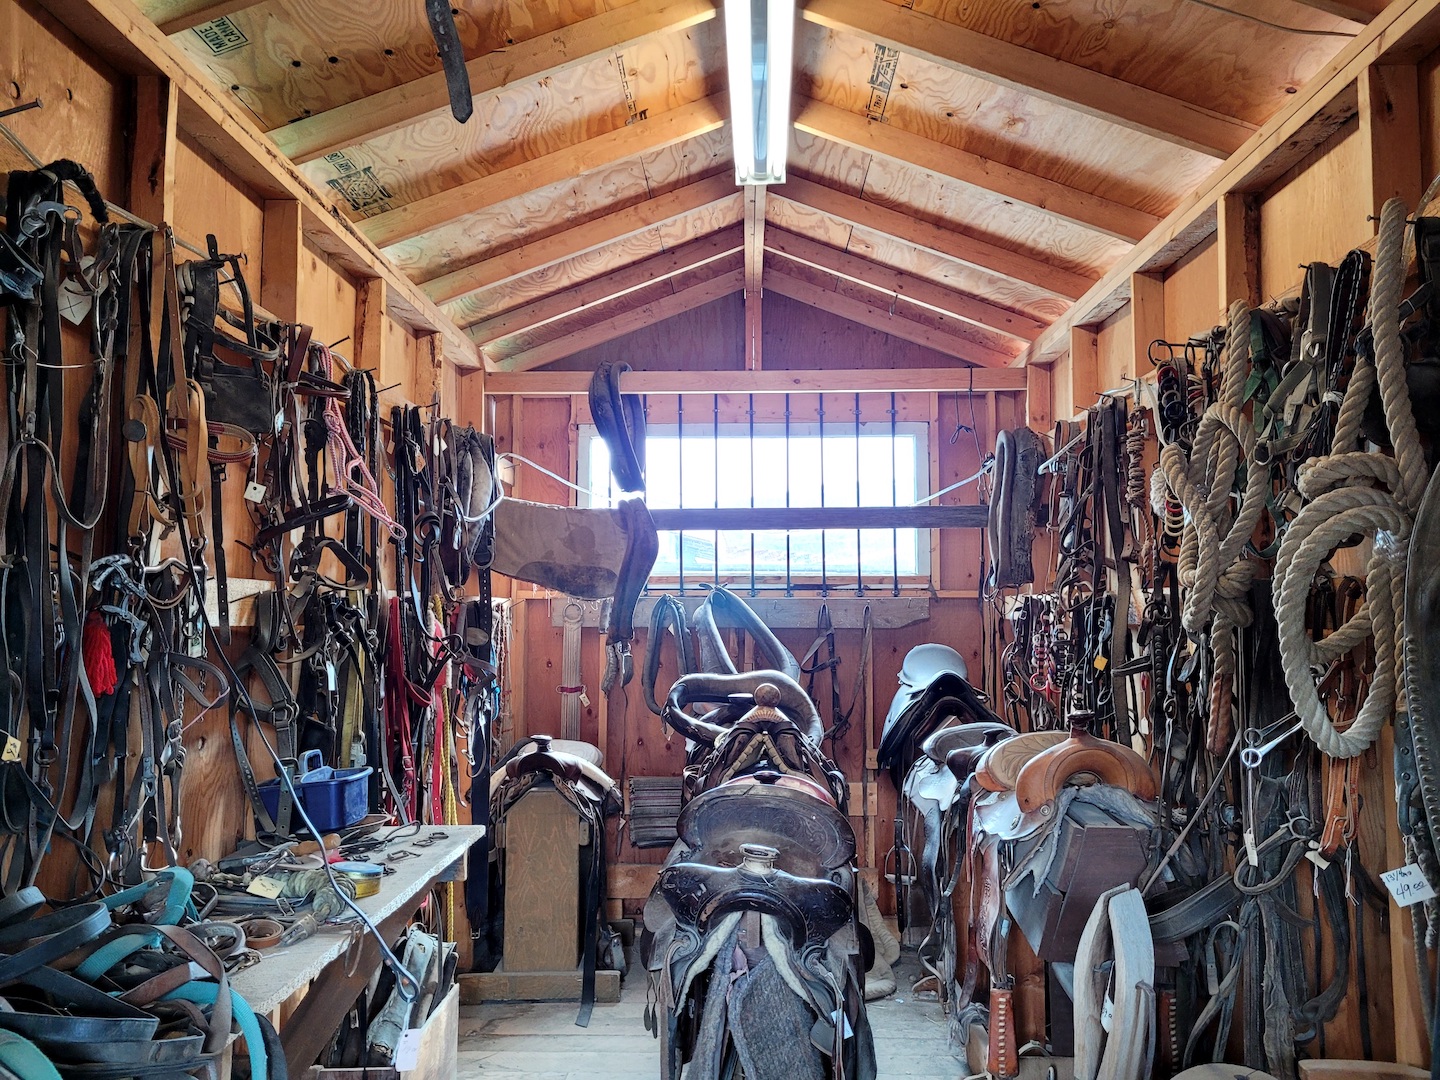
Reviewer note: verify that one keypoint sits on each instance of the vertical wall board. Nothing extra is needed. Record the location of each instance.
(1113, 355)
(86, 104)
(1316, 211)
(1191, 297)
(1429, 72)
(209, 198)
(326, 298)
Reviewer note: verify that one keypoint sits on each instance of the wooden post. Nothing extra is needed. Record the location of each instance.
(1084, 372)
(370, 312)
(1147, 320)
(152, 153)
(542, 883)
(282, 251)
(1238, 218)
(1390, 125)
(1039, 396)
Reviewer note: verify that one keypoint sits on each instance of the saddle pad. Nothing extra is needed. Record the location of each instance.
(574, 550)
(654, 808)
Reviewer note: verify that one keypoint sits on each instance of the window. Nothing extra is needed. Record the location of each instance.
(734, 466)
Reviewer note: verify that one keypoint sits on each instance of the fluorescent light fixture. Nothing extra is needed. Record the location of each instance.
(759, 48)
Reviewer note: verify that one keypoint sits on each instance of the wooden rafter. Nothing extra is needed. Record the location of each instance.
(995, 60)
(1361, 12)
(658, 131)
(960, 305)
(636, 318)
(883, 314)
(808, 381)
(203, 13)
(537, 255)
(601, 36)
(755, 197)
(607, 287)
(882, 140)
(958, 246)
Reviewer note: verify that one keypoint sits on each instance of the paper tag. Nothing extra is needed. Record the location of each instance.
(839, 1017)
(12, 749)
(1101, 663)
(268, 887)
(74, 301)
(255, 491)
(1407, 885)
(1252, 854)
(1313, 854)
(407, 1050)
(1107, 1014)
(584, 699)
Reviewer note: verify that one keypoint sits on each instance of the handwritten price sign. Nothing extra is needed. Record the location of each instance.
(1407, 885)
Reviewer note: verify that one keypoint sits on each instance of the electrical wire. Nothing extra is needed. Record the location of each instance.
(1274, 25)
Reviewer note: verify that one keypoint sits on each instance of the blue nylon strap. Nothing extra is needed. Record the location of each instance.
(180, 880)
(203, 994)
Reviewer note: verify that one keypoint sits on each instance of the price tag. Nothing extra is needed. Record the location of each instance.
(1252, 853)
(584, 699)
(74, 301)
(268, 887)
(255, 492)
(407, 1050)
(12, 749)
(1407, 885)
(1101, 663)
(1313, 854)
(839, 1017)
(1107, 1014)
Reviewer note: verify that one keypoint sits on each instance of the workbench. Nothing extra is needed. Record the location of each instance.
(325, 962)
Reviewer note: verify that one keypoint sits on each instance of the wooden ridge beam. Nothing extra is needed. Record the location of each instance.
(942, 380)
(1093, 212)
(921, 291)
(665, 307)
(882, 316)
(755, 198)
(608, 287)
(936, 239)
(958, 48)
(658, 131)
(536, 58)
(1402, 34)
(121, 34)
(535, 255)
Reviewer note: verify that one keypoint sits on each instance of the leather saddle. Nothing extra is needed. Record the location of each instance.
(933, 693)
(573, 768)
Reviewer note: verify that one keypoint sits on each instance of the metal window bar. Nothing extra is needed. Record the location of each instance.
(680, 485)
(751, 416)
(824, 533)
(789, 579)
(895, 501)
(859, 568)
(715, 446)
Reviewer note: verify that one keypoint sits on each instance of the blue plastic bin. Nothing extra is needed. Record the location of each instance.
(333, 798)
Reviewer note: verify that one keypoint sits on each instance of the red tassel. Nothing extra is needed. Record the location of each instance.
(99, 657)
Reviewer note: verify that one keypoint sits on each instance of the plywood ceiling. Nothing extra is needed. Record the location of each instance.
(961, 169)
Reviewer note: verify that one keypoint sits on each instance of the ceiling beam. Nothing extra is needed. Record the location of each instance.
(537, 255)
(980, 254)
(205, 12)
(1059, 200)
(922, 291)
(940, 380)
(665, 307)
(597, 38)
(1362, 13)
(881, 315)
(1035, 73)
(658, 131)
(607, 287)
(755, 198)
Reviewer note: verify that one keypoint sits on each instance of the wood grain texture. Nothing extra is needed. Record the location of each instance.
(542, 883)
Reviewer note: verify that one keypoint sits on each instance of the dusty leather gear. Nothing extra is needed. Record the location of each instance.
(1018, 455)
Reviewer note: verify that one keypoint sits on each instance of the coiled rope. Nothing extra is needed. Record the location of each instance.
(1352, 491)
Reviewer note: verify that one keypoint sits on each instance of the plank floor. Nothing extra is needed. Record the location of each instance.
(539, 1041)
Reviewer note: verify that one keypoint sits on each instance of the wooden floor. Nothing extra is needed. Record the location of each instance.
(541, 1041)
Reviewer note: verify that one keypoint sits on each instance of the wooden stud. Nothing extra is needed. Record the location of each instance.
(755, 195)
(536, 255)
(283, 248)
(1238, 226)
(1039, 397)
(882, 316)
(1402, 34)
(827, 380)
(659, 131)
(664, 308)
(920, 290)
(530, 60)
(610, 286)
(1037, 74)
(1049, 196)
(370, 318)
(1084, 372)
(1147, 320)
(152, 150)
(1390, 126)
(936, 239)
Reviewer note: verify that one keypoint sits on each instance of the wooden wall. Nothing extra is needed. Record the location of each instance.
(90, 115)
